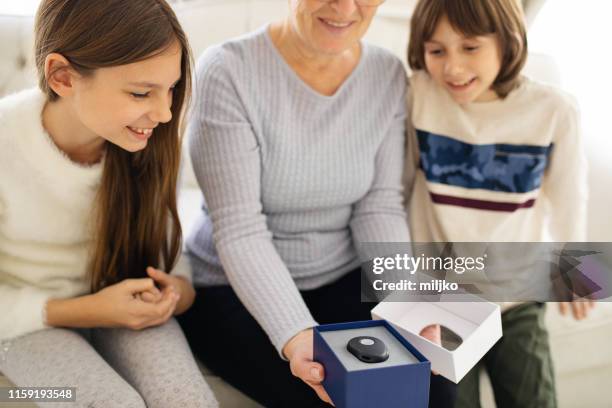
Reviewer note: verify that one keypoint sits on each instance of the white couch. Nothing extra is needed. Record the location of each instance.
(583, 359)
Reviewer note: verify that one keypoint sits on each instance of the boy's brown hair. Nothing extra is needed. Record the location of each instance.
(503, 18)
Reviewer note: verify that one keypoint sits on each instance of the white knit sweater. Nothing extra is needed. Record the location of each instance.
(511, 170)
(46, 203)
(45, 212)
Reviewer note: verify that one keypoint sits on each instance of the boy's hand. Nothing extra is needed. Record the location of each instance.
(580, 308)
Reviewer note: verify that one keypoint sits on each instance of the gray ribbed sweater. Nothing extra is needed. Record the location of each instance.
(293, 180)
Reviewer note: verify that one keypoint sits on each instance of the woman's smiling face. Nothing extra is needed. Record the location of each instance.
(330, 27)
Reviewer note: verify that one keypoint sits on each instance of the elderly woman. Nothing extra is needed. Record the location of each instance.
(297, 141)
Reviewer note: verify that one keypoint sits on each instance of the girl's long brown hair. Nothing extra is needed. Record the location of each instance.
(136, 218)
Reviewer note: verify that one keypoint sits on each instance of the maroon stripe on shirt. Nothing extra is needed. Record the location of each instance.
(480, 204)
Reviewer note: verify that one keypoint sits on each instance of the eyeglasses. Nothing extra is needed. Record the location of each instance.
(364, 3)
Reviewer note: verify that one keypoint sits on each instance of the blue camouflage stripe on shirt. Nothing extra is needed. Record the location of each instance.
(495, 167)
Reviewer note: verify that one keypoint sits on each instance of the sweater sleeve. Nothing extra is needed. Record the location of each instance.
(565, 182)
(23, 309)
(227, 163)
(411, 156)
(182, 268)
(380, 215)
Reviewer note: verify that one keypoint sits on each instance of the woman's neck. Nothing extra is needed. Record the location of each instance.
(323, 72)
(70, 135)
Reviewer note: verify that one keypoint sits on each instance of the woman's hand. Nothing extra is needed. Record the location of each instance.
(118, 305)
(178, 284)
(433, 333)
(298, 351)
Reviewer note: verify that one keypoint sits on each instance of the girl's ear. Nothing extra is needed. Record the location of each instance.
(59, 74)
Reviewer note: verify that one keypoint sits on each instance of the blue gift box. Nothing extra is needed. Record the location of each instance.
(398, 386)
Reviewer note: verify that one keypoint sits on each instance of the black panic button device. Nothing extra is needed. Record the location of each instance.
(368, 349)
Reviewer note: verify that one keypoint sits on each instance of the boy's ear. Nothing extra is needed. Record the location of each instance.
(59, 74)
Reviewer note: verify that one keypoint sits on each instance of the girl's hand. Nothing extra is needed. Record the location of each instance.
(177, 284)
(151, 296)
(120, 305)
(298, 351)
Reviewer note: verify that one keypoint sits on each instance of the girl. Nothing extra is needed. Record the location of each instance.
(493, 156)
(88, 209)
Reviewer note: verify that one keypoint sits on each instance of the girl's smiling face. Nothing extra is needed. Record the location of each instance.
(124, 104)
(465, 66)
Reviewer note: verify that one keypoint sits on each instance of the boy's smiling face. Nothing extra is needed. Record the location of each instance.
(465, 66)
